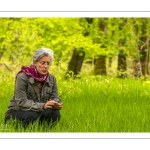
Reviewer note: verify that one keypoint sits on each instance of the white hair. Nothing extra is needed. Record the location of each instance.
(41, 52)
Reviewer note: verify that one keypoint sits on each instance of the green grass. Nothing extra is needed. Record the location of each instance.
(92, 104)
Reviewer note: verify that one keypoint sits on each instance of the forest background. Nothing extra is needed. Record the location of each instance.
(97, 46)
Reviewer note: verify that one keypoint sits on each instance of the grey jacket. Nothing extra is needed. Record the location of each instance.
(27, 94)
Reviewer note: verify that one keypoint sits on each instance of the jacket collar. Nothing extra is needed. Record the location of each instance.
(48, 81)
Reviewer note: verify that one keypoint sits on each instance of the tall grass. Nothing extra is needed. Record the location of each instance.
(92, 104)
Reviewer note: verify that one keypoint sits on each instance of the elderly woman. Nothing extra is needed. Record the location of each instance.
(35, 94)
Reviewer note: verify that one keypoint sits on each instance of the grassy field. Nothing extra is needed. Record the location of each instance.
(91, 104)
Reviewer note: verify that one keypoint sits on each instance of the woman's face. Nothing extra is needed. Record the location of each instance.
(42, 65)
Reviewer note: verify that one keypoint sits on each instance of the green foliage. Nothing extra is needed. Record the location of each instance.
(20, 37)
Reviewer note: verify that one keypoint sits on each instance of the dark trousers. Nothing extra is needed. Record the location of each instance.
(51, 116)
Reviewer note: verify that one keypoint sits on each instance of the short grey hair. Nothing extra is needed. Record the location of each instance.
(41, 52)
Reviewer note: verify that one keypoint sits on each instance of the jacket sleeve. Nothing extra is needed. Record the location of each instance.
(21, 95)
(54, 94)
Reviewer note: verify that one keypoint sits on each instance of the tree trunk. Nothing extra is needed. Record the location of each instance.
(137, 70)
(122, 61)
(122, 65)
(110, 61)
(143, 47)
(100, 66)
(144, 62)
(100, 62)
(77, 59)
(1, 54)
(76, 62)
(144, 55)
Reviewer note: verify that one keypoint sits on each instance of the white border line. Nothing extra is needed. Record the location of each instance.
(74, 135)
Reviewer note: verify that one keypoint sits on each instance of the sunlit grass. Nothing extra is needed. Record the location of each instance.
(92, 104)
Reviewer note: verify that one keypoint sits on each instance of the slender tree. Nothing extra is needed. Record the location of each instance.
(78, 54)
(100, 61)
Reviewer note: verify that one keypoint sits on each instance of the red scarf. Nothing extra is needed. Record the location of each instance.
(31, 71)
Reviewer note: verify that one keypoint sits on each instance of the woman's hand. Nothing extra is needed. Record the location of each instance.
(52, 104)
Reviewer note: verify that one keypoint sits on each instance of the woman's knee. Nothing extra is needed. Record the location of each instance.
(25, 115)
(52, 113)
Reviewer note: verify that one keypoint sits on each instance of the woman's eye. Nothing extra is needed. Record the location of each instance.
(45, 63)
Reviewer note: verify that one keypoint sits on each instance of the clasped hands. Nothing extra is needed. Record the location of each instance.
(52, 104)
